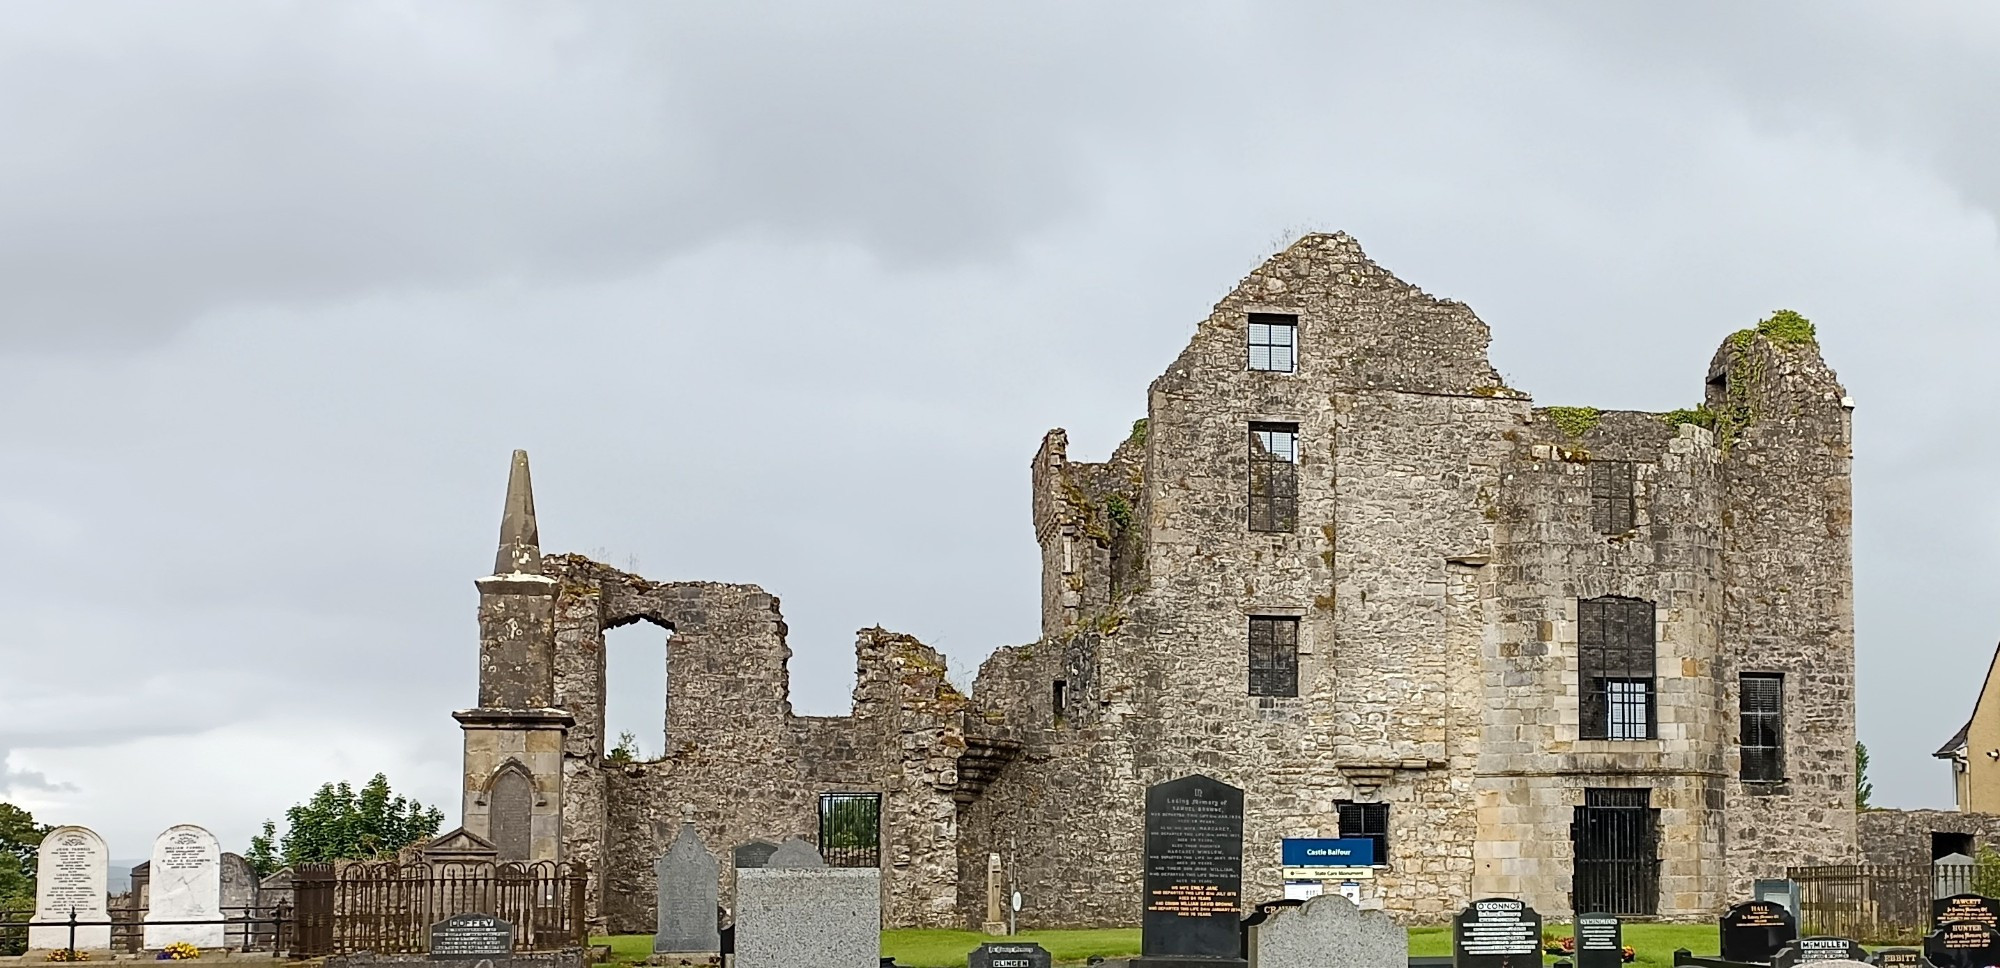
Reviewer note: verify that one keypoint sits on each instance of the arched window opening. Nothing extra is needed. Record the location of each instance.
(635, 692)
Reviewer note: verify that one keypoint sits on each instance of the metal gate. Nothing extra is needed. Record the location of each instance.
(850, 829)
(312, 904)
(1617, 838)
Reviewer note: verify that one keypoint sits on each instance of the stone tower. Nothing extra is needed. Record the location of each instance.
(512, 786)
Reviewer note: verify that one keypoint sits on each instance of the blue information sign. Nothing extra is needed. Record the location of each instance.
(1349, 852)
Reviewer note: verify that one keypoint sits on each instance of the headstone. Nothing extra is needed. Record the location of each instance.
(1899, 958)
(687, 895)
(1497, 932)
(185, 885)
(753, 854)
(1965, 907)
(1755, 930)
(793, 854)
(70, 873)
(1818, 949)
(1009, 954)
(1600, 941)
(1950, 874)
(239, 897)
(996, 922)
(1194, 874)
(470, 937)
(1328, 932)
(1260, 914)
(827, 917)
(1963, 944)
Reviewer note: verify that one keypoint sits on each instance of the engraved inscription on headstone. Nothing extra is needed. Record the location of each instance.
(185, 885)
(469, 937)
(1899, 958)
(1755, 930)
(1818, 949)
(1600, 941)
(70, 874)
(1965, 907)
(1194, 871)
(1496, 932)
(1963, 944)
(512, 814)
(1009, 954)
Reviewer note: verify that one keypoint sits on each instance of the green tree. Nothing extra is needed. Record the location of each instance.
(626, 751)
(1986, 873)
(20, 840)
(1864, 790)
(341, 823)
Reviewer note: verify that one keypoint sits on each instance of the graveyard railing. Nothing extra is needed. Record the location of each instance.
(249, 929)
(388, 907)
(1874, 903)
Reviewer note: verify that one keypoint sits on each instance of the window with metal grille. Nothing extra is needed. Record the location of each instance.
(1366, 821)
(850, 829)
(1615, 668)
(1274, 479)
(1760, 710)
(1616, 843)
(1274, 340)
(1274, 656)
(1611, 496)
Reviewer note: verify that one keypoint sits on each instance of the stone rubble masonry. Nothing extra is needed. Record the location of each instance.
(1444, 538)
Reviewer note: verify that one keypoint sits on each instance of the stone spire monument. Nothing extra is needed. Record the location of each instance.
(512, 785)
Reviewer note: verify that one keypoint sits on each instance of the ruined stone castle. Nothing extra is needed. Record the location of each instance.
(1578, 657)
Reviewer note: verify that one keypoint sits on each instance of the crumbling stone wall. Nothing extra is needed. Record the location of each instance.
(1445, 535)
(1904, 836)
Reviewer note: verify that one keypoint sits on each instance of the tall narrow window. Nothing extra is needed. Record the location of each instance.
(1274, 656)
(1611, 496)
(1615, 668)
(1366, 821)
(1274, 479)
(1059, 699)
(1760, 711)
(1274, 342)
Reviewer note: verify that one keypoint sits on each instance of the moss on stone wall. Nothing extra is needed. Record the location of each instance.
(1574, 421)
(1783, 327)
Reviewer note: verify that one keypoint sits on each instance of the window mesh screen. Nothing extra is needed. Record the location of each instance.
(1274, 656)
(1615, 668)
(1369, 821)
(1274, 342)
(1611, 496)
(1760, 711)
(1274, 481)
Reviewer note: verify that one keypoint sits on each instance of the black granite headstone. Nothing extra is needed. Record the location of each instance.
(1600, 941)
(1818, 948)
(1755, 930)
(1963, 944)
(469, 937)
(1009, 954)
(1899, 958)
(1497, 932)
(1965, 907)
(1194, 873)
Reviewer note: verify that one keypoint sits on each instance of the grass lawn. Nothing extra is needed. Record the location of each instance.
(1655, 944)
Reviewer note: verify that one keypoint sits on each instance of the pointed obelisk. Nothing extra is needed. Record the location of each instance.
(512, 786)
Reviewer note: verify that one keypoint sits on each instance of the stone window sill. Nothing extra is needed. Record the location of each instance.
(1619, 746)
(1767, 788)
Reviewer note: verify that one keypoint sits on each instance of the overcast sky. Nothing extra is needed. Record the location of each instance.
(787, 294)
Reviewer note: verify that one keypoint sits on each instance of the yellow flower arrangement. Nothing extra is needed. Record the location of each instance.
(179, 951)
(68, 954)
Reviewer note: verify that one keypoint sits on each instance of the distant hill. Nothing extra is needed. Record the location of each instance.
(119, 877)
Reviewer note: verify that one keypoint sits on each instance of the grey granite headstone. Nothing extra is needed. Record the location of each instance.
(687, 896)
(1009, 954)
(1328, 931)
(239, 896)
(756, 853)
(793, 854)
(826, 917)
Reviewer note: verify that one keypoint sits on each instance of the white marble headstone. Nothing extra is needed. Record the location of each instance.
(186, 885)
(70, 873)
